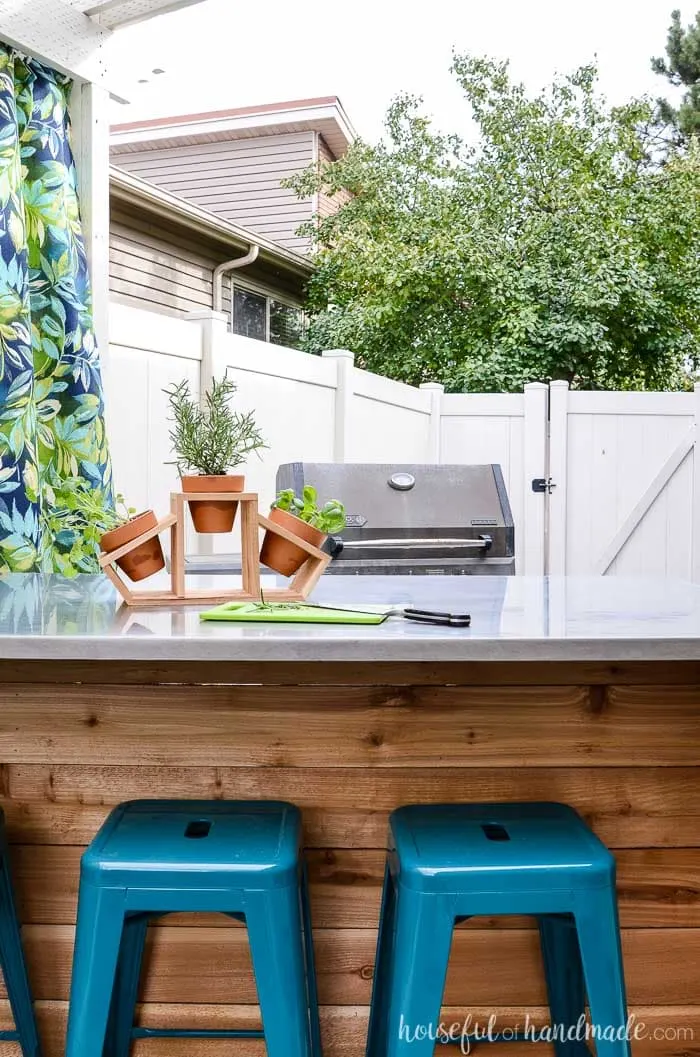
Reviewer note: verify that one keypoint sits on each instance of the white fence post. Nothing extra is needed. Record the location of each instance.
(435, 390)
(695, 538)
(534, 466)
(556, 505)
(345, 366)
(214, 327)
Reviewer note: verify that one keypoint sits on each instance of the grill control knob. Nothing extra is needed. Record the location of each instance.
(402, 482)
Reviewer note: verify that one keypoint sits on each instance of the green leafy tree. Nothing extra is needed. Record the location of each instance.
(552, 249)
(682, 68)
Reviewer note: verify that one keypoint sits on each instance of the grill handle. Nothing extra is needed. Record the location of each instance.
(484, 542)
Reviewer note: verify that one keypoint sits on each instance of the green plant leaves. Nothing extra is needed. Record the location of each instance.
(286, 500)
(556, 247)
(212, 439)
(330, 518)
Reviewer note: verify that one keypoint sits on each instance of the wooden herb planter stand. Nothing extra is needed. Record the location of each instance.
(250, 524)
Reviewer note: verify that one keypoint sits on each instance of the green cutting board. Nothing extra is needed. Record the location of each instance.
(293, 613)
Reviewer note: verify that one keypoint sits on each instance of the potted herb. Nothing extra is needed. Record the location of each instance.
(304, 518)
(208, 441)
(82, 520)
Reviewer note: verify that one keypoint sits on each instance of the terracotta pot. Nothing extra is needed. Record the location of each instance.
(208, 515)
(281, 555)
(144, 560)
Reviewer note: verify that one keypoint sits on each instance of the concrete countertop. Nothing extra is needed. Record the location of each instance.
(513, 619)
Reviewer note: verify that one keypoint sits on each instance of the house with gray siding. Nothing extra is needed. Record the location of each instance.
(191, 192)
(233, 162)
(164, 251)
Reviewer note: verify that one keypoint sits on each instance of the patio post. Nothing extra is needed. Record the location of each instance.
(89, 113)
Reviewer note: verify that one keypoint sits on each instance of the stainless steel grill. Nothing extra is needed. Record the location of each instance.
(418, 519)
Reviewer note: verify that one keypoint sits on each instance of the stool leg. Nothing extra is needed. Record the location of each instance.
(422, 941)
(14, 968)
(98, 935)
(127, 986)
(564, 975)
(277, 948)
(601, 954)
(376, 1033)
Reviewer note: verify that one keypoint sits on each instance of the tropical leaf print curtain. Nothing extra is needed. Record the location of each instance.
(51, 403)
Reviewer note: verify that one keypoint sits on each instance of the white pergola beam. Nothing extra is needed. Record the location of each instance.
(71, 40)
(116, 14)
(57, 34)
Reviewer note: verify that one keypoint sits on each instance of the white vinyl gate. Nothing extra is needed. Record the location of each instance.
(599, 482)
(625, 484)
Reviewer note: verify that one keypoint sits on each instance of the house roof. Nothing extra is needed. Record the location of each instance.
(129, 188)
(324, 114)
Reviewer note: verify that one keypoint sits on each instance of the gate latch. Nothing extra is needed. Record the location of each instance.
(543, 484)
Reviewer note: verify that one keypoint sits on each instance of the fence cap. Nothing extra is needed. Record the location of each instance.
(436, 387)
(207, 313)
(339, 354)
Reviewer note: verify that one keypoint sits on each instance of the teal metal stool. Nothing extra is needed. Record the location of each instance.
(14, 970)
(155, 857)
(450, 862)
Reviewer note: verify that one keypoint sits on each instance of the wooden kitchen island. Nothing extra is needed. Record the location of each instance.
(585, 691)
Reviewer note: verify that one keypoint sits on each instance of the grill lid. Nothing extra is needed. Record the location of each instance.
(456, 512)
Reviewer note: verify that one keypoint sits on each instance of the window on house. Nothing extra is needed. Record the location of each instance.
(249, 314)
(286, 325)
(265, 318)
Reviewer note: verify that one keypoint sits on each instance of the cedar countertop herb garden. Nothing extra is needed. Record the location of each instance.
(302, 516)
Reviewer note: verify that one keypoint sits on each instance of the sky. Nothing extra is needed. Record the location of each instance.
(227, 53)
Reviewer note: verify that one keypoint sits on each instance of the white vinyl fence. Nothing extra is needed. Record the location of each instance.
(147, 352)
(627, 476)
(621, 478)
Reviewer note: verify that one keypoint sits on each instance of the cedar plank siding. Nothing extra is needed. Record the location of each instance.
(161, 268)
(328, 204)
(239, 180)
(620, 742)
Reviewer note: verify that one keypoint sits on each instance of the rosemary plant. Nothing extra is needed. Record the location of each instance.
(213, 438)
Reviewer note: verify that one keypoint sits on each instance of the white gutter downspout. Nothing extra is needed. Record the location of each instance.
(230, 266)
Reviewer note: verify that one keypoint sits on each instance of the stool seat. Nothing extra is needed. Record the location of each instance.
(449, 862)
(474, 847)
(197, 837)
(155, 857)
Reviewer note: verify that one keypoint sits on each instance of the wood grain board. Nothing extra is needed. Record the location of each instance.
(657, 888)
(344, 1029)
(620, 743)
(361, 727)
